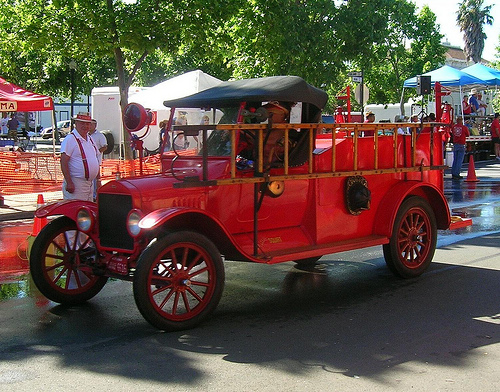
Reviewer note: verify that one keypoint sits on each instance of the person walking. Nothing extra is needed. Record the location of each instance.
(3, 123)
(495, 135)
(12, 125)
(79, 161)
(459, 132)
(101, 144)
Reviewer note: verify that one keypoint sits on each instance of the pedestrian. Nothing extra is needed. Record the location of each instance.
(495, 135)
(473, 102)
(459, 133)
(466, 107)
(79, 161)
(481, 111)
(180, 142)
(3, 123)
(369, 118)
(101, 144)
(164, 133)
(12, 125)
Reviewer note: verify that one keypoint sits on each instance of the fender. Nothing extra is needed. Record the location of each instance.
(388, 208)
(67, 208)
(201, 221)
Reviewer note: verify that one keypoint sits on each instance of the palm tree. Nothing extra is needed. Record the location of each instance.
(470, 19)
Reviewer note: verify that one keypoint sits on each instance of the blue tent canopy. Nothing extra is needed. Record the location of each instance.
(489, 75)
(447, 76)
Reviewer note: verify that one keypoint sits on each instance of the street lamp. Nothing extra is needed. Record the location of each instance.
(72, 68)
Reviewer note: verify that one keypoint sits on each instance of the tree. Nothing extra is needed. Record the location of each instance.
(405, 44)
(117, 42)
(470, 18)
(108, 39)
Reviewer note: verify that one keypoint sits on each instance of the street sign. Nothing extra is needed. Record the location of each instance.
(355, 73)
(357, 94)
(357, 79)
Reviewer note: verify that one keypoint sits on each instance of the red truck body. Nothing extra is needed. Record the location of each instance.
(319, 189)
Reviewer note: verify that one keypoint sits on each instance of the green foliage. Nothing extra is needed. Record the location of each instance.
(119, 43)
(410, 45)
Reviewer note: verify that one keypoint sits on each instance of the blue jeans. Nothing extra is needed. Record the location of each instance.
(458, 158)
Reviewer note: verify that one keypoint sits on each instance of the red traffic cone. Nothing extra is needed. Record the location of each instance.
(38, 223)
(471, 173)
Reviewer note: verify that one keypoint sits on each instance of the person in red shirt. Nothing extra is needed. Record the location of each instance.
(466, 107)
(459, 133)
(495, 134)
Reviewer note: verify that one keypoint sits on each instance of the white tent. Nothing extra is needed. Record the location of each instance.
(176, 87)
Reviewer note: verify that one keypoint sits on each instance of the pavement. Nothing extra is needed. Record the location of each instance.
(23, 206)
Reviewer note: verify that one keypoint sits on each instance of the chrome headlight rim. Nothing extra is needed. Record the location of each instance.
(85, 220)
(133, 219)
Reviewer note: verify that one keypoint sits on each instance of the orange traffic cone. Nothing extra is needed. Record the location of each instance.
(471, 173)
(38, 223)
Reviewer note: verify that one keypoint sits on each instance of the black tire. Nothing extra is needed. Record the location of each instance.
(60, 267)
(177, 296)
(413, 240)
(110, 141)
(308, 262)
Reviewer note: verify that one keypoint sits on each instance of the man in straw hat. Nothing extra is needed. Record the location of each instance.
(79, 160)
(473, 102)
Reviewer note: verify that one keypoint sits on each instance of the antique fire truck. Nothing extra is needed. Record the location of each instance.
(256, 190)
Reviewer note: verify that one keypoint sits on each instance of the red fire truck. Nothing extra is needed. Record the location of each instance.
(256, 190)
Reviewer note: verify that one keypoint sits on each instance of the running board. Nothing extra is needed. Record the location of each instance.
(324, 249)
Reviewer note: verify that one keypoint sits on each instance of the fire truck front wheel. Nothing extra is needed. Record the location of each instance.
(178, 281)
(413, 240)
(61, 260)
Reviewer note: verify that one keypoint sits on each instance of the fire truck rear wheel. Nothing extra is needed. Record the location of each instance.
(413, 241)
(56, 258)
(178, 281)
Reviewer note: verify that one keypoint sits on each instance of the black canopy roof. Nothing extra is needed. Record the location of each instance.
(273, 88)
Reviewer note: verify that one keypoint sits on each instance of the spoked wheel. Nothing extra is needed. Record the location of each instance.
(413, 240)
(178, 281)
(60, 261)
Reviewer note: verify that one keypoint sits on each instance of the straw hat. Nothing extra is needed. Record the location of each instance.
(83, 117)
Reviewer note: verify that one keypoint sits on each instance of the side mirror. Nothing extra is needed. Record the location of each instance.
(136, 117)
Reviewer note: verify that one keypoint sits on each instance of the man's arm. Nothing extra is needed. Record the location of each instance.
(70, 187)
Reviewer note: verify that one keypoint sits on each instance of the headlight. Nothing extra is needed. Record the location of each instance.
(133, 220)
(84, 220)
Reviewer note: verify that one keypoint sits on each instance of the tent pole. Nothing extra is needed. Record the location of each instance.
(53, 132)
(401, 103)
(461, 99)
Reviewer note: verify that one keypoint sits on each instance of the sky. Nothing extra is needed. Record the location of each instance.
(446, 17)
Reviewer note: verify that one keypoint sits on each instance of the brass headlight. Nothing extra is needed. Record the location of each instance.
(133, 219)
(84, 220)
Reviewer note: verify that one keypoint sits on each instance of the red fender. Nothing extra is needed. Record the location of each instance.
(388, 208)
(67, 208)
(185, 218)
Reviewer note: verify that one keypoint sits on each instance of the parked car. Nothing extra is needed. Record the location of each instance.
(256, 191)
(64, 127)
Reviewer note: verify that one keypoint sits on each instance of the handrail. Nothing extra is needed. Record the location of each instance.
(352, 131)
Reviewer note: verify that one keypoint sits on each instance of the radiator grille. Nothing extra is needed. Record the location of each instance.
(113, 211)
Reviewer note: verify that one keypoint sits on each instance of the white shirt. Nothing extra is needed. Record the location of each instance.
(3, 125)
(100, 142)
(70, 147)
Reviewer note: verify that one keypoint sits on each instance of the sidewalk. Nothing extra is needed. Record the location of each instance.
(23, 206)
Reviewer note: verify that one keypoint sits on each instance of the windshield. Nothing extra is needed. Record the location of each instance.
(219, 142)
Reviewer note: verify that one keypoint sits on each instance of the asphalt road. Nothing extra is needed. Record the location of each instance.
(350, 326)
